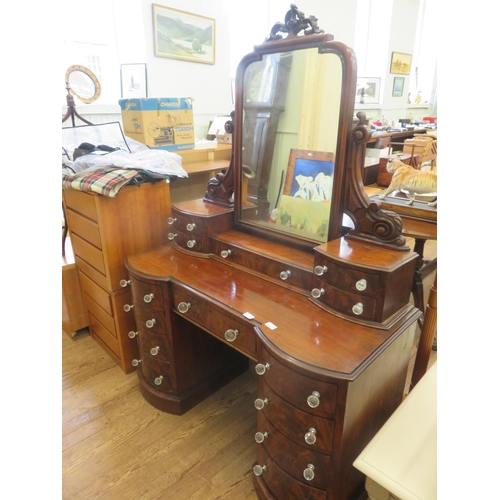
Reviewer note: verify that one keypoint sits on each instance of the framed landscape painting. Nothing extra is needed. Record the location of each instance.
(182, 35)
(400, 63)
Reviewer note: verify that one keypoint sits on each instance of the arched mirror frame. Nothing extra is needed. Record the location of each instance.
(371, 223)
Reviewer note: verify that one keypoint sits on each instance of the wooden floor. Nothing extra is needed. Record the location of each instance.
(118, 447)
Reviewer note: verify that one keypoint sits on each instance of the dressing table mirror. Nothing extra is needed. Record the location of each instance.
(262, 273)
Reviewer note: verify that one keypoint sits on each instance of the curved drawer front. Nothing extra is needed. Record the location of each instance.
(294, 423)
(347, 278)
(192, 242)
(157, 346)
(279, 271)
(157, 373)
(216, 320)
(188, 224)
(283, 486)
(146, 296)
(297, 388)
(291, 457)
(150, 321)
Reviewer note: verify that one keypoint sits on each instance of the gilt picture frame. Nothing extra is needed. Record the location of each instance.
(400, 63)
(183, 35)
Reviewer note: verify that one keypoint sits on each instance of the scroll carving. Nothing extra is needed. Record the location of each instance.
(372, 223)
(295, 22)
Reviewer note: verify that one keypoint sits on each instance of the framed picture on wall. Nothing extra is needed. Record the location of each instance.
(400, 63)
(397, 88)
(134, 81)
(367, 90)
(182, 35)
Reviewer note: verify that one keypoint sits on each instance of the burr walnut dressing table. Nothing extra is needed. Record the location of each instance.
(322, 311)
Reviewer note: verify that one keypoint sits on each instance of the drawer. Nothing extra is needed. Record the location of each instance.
(192, 242)
(146, 296)
(92, 273)
(190, 225)
(86, 228)
(81, 202)
(157, 346)
(97, 293)
(217, 320)
(296, 388)
(282, 485)
(150, 321)
(293, 458)
(156, 373)
(344, 302)
(276, 269)
(88, 253)
(97, 328)
(352, 280)
(294, 424)
(100, 314)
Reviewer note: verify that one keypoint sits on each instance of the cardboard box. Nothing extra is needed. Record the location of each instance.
(159, 122)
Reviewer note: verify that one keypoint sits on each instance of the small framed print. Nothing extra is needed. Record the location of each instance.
(397, 88)
(134, 81)
(368, 90)
(400, 63)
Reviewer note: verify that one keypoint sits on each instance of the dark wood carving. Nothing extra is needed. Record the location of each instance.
(371, 222)
(295, 22)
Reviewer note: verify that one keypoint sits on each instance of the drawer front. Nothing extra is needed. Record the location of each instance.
(146, 296)
(92, 273)
(293, 458)
(191, 225)
(296, 388)
(156, 345)
(81, 202)
(217, 321)
(88, 253)
(157, 373)
(352, 280)
(99, 295)
(275, 269)
(294, 423)
(98, 312)
(150, 321)
(86, 228)
(282, 485)
(192, 242)
(104, 334)
(348, 303)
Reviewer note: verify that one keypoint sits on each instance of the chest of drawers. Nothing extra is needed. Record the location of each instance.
(103, 232)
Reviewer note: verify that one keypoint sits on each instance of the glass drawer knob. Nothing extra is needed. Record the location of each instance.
(320, 270)
(309, 472)
(191, 243)
(259, 469)
(230, 335)
(225, 254)
(133, 334)
(124, 283)
(150, 323)
(261, 369)
(190, 226)
(159, 380)
(260, 403)
(127, 307)
(183, 307)
(285, 274)
(361, 285)
(171, 236)
(313, 400)
(154, 351)
(357, 309)
(171, 220)
(259, 436)
(316, 293)
(310, 437)
(149, 297)
(135, 362)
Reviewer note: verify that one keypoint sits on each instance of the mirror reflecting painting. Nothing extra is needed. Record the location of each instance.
(291, 109)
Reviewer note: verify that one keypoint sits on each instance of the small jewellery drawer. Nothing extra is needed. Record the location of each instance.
(187, 224)
(216, 320)
(297, 389)
(281, 484)
(292, 458)
(293, 423)
(351, 304)
(147, 297)
(157, 346)
(191, 242)
(359, 282)
(156, 373)
(150, 321)
(276, 269)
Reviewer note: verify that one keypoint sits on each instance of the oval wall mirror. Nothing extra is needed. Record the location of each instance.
(83, 84)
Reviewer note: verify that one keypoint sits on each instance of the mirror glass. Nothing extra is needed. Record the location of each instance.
(291, 110)
(83, 84)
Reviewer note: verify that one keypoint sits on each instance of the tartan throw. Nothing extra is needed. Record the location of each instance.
(106, 182)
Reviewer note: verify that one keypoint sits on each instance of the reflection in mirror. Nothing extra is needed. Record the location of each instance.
(291, 110)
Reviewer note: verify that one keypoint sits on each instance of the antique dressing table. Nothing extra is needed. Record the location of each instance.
(263, 268)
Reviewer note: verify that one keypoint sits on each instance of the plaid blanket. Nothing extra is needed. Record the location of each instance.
(106, 182)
